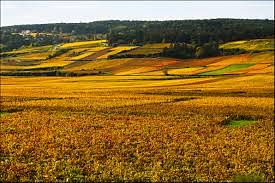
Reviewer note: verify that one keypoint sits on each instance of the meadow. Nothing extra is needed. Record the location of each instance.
(206, 119)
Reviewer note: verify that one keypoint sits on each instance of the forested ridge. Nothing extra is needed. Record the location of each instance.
(116, 32)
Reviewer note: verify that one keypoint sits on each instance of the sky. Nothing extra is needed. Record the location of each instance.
(39, 12)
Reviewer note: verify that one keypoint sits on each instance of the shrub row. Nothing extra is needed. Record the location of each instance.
(50, 73)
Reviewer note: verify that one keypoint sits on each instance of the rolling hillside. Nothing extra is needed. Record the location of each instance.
(92, 57)
(251, 45)
(155, 119)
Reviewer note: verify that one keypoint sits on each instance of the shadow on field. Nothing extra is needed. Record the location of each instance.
(4, 112)
(211, 93)
(183, 99)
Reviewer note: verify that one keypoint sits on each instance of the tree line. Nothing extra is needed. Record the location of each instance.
(185, 51)
(197, 32)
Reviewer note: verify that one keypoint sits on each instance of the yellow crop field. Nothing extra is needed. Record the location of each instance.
(135, 128)
(36, 65)
(67, 55)
(252, 68)
(263, 58)
(83, 44)
(148, 49)
(156, 45)
(250, 45)
(98, 48)
(52, 63)
(151, 73)
(34, 56)
(187, 70)
(266, 70)
(256, 58)
(239, 59)
(116, 50)
(208, 69)
(30, 50)
(261, 83)
(136, 70)
(11, 67)
(101, 64)
(135, 119)
(127, 65)
(199, 62)
(86, 54)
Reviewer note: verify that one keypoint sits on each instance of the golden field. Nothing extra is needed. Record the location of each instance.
(83, 44)
(138, 123)
(135, 128)
(251, 45)
(147, 49)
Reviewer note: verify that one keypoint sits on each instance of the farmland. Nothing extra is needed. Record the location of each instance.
(251, 45)
(147, 49)
(141, 119)
(78, 53)
(108, 128)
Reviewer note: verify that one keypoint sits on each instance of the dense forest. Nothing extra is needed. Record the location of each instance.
(197, 32)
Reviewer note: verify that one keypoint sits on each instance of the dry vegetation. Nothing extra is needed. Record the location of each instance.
(135, 128)
(251, 45)
(84, 44)
(115, 51)
(139, 128)
(148, 49)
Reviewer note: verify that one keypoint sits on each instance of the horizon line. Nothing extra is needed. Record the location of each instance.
(156, 20)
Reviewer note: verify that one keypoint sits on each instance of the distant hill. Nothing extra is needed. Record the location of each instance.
(137, 32)
(97, 58)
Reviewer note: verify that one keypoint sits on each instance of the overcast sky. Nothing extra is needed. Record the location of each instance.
(33, 12)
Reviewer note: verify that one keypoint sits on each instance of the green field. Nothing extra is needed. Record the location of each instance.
(240, 123)
(228, 69)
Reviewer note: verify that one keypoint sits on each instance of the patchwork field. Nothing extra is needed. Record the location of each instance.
(228, 69)
(116, 50)
(237, 64)
(139, 119)
(93, 55)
